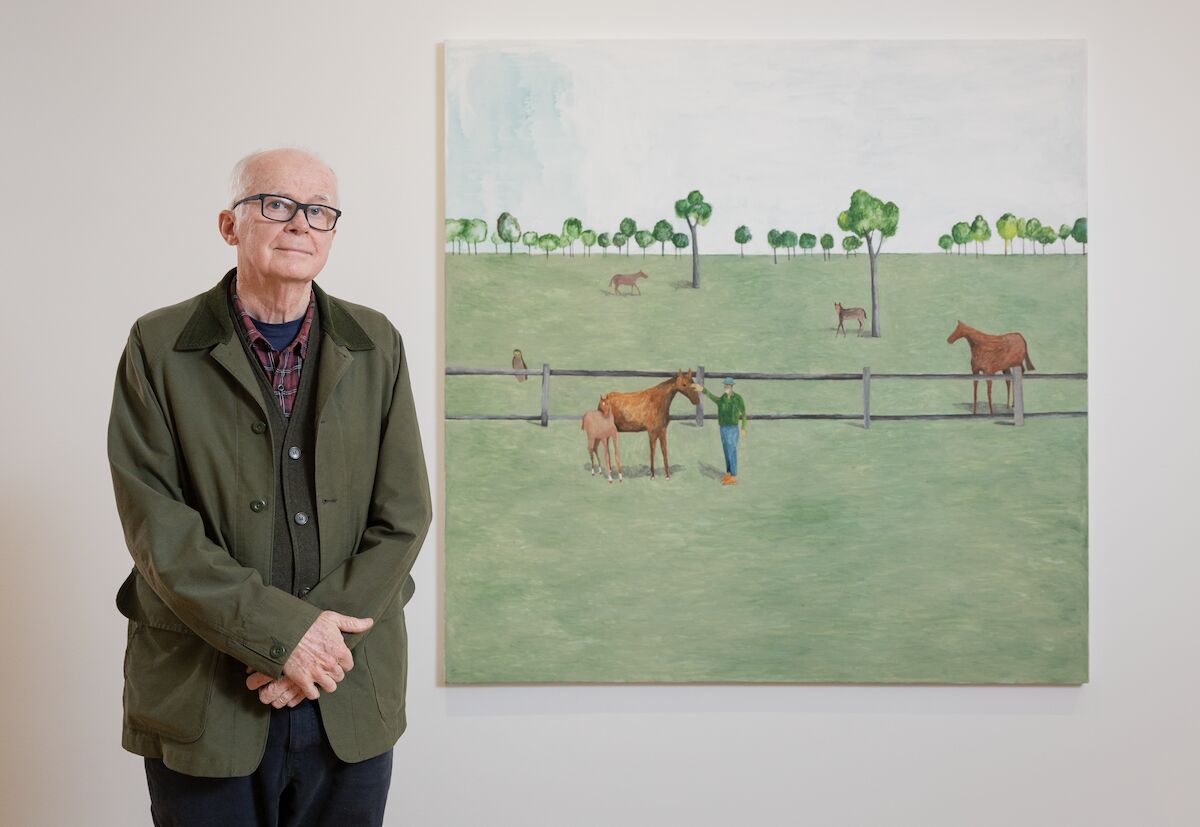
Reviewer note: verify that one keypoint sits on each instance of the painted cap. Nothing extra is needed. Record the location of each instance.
(728, 380)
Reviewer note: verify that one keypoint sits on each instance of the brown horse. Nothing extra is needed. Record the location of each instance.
(992, 354)
(600, 429)
(849, 313)
(649, 410)
(630, 280)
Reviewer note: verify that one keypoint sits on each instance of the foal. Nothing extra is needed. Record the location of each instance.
(600, 427)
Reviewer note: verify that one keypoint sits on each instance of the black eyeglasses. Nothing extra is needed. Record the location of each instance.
(281, 208)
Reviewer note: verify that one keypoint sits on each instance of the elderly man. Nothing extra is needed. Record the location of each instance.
(271, 485)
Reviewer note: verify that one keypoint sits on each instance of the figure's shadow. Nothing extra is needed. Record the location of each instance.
(712, 472)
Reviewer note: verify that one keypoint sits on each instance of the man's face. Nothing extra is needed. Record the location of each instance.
(285, 250)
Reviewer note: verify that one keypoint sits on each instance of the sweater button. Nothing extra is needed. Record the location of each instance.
(258, 427)
(258, 505)
(301, 518)
(294, 452)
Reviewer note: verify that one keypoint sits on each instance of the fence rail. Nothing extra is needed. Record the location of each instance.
(1017, 376)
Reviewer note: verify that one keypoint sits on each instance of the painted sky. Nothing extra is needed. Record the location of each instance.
(773, 133)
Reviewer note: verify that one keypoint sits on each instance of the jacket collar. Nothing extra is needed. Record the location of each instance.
(210, 323)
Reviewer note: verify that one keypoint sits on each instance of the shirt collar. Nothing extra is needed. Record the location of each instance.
(252, 331)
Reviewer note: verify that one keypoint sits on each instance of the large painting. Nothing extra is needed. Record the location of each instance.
(766, 362)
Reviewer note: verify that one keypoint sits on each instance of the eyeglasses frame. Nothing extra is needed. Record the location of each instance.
(262, 199)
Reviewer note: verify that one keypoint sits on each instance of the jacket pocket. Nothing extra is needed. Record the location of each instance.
(169, 679)
(387, 661)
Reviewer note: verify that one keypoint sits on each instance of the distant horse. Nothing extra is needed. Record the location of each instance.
(849, 313)
(600, 428)
(629, 280)
(649, 410)
(992, 354)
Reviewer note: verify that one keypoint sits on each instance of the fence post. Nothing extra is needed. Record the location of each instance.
(545, 394)
(866, 397)
(1018, 397)
(700, 404)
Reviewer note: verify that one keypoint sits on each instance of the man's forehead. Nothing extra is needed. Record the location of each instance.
(296, 176)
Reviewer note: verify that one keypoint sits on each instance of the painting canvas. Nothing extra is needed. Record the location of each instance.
(765, 362)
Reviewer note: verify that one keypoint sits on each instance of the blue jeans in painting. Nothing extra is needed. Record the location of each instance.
(729, 441)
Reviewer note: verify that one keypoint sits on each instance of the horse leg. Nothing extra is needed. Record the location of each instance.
(1008, 392)
(989, 383)
(839, 327)
(608, 460)
(617, 451)
(592, 460)
(662, 440)
(650, 434)
(975, 400)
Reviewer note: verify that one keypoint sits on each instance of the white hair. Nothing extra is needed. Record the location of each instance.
(240, 183)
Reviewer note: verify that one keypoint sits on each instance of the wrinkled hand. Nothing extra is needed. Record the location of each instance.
(278, 692)
(321, 658)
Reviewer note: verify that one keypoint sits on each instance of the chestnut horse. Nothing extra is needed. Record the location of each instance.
(992, 354)
(649, 410)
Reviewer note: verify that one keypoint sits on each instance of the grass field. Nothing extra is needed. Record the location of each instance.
(913, 551)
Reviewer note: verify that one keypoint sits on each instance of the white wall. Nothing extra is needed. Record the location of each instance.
(112, 111)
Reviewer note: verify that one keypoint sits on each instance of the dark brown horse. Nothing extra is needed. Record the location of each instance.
(992, 354)
(649, 410)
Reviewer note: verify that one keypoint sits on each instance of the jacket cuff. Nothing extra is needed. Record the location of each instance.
(270, 635)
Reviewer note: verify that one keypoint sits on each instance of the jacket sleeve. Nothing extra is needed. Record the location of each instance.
(225, 603)
(398, 517)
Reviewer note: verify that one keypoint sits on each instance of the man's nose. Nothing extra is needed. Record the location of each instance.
(298, 223)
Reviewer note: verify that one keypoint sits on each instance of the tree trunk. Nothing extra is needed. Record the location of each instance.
(874, 287)
(695, 256)
(743, 249)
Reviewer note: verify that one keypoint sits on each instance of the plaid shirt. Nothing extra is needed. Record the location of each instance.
(282, 368)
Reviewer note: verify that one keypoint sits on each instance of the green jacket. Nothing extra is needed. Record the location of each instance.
(729, 408)
(190, 450)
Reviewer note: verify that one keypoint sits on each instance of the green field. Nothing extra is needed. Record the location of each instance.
(944, 551)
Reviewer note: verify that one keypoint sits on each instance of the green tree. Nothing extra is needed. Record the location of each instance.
(477, 231)
(454, 232)
(509, 229)
(775, 240)
(1021, 224)
(588, 238)
(946, 242)
(866, 217)
(1033, 228)
(741, 237)
(807, 241)
(695, 211)
(961, 233)
(619, 240)
(644, 239)
(530, 240)
(628, 228)
(826, 246)
(680, 241)
(1064, 232)
(548, 242)
(604, 240)
(662, 234)
(980, 232)
(572, 229)
(496, 240)
(1006, 228)
(1079, 233)
(789, 241)
(1046, 235)
(850, 244)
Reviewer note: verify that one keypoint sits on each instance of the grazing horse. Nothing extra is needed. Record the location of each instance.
(849, 313)
(600, 428)
(631, 280)
(992, 354)
(649, 410)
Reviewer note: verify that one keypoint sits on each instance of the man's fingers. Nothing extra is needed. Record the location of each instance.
(257, 681)
(352, 624)
(327, 683)
(346, 662)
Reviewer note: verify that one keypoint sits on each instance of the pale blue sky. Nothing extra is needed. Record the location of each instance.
(774, 133)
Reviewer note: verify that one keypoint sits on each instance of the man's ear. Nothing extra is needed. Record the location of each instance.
(225, 226)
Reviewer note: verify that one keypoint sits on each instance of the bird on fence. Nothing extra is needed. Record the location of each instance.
(518, 363)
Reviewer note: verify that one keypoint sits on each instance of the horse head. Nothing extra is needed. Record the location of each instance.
(683, 384)
(960, 330)
(640, 273)
(604, 406)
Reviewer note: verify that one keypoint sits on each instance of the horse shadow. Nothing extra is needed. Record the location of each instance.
(631, 472)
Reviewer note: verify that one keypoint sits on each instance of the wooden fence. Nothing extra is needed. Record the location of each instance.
(1017, 376)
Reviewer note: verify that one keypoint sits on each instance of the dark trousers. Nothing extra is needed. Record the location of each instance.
(300, 783)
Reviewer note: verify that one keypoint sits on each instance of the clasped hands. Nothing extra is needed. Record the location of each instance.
(320, 659)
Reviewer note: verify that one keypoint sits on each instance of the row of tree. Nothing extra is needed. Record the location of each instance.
(1010, 227)
(806, 242)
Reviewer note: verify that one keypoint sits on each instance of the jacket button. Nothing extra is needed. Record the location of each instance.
(305, 591)
(258, 427)
(277, 651)
(301, 518)
(258, 505)
(294, 452)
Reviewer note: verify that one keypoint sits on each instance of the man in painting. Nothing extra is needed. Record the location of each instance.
(730, 407)
(271, 484)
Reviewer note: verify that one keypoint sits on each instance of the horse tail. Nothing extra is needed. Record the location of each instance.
(1028, 361)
